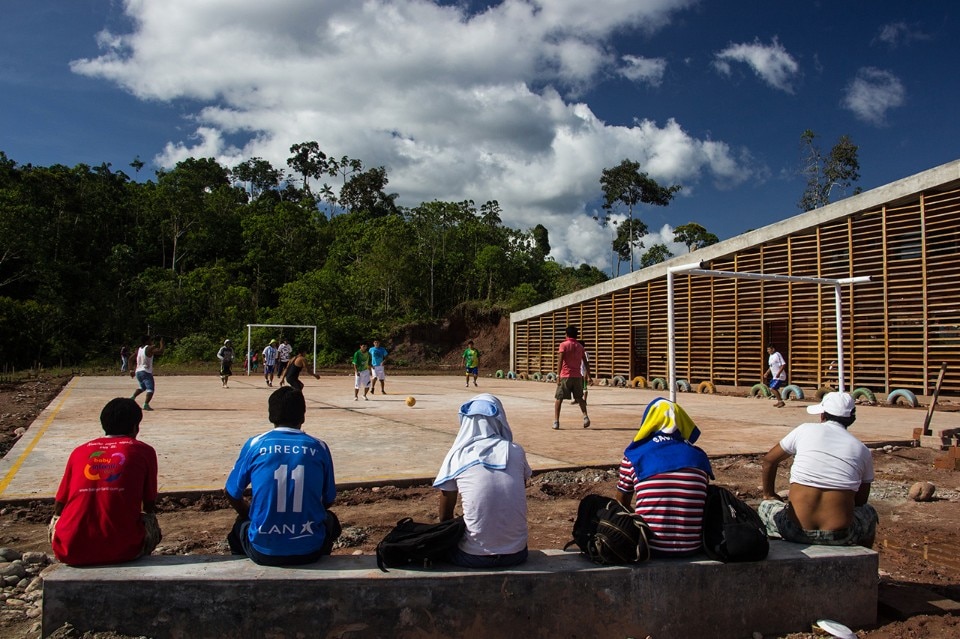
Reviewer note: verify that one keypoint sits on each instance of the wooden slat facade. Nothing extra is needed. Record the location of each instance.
(898, 329)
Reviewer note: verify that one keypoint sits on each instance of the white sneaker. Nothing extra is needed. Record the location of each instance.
(556, 425)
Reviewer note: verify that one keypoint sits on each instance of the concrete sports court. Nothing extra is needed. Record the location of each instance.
(197, 427)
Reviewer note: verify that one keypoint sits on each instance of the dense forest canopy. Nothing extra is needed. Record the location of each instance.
(91, 259)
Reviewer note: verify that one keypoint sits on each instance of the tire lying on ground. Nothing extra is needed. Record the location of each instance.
(684, 386)
(760, 390)
(893, 399)
(658, 383)
(639, 382)
(823, 390)
(865, 393)
(706, 387)
(791, 389)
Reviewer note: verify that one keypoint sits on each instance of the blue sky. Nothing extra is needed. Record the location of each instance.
(520, 101)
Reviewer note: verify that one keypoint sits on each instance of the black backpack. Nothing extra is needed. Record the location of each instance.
(419, 545)
(608, 533)
(732, 530)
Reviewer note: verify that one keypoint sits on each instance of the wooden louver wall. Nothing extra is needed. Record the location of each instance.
(897, 330)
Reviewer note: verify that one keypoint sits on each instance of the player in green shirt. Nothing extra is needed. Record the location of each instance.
(361, 372)
(471, 361)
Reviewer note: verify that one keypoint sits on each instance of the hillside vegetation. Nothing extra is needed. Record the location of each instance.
(91, 259)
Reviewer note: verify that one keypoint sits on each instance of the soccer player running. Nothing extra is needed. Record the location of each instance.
(570, 379)
(142, 368)
(471, 363)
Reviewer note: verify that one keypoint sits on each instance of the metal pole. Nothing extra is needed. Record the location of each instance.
(671, 326)
(247, 346)
(838, 307)
(671, 348)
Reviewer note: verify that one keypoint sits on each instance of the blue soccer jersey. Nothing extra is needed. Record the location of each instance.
(377, 355)
(291, 475)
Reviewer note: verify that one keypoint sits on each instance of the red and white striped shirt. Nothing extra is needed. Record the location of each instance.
(672, 505)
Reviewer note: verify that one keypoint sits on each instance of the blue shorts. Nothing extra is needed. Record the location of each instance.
(777, 383)
(473, 371)
(145, 380)
(268, 368)
(460, 558)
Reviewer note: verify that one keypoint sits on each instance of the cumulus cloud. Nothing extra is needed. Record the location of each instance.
(454, 104)
(771, 63)
(872, 93)
(649, 70)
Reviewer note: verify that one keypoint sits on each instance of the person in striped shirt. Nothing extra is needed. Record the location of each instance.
(668, 477)
(270, 361)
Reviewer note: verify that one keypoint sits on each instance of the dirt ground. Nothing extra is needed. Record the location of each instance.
(918, 541)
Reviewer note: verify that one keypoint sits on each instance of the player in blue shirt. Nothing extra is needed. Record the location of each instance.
(377, 355)
(287, 521)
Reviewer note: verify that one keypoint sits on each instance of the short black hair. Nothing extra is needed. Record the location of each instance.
(846, 422)
(573, 331)
(287, 407)
(146, 339)
(121, 416)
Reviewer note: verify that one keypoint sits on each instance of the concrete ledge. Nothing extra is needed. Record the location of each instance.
(555, 594)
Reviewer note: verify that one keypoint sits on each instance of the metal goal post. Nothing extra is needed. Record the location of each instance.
(697, 268)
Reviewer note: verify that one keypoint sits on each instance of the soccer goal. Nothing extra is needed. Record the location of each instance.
(697, 268)
(249, 350)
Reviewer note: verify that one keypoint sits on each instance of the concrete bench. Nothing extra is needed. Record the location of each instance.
(554, 594)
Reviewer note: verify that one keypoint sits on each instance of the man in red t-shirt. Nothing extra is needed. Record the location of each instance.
(96, 515)
(574, 369)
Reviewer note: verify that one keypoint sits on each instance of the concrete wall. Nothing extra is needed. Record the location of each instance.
(553, 595)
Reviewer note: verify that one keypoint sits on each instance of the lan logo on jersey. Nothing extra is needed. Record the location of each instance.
(106, 468)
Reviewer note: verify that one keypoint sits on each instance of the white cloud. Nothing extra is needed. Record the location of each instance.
(772, 63)
(896, 33)
(649, 70)
(455, 105)
(872, 93)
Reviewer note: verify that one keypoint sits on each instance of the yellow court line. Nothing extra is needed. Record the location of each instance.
(36, 438)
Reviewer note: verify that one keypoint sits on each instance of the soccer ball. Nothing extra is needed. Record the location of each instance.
(411, 401)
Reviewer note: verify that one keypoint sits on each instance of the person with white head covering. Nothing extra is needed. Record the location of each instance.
(489, 471)
(829, 481)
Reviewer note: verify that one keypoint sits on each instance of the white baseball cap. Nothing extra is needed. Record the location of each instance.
(836, 404)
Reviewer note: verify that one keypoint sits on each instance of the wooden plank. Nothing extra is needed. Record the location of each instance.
(933, 401)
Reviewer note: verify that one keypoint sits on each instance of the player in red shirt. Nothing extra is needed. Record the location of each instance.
(574, 369)
(97, 515)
